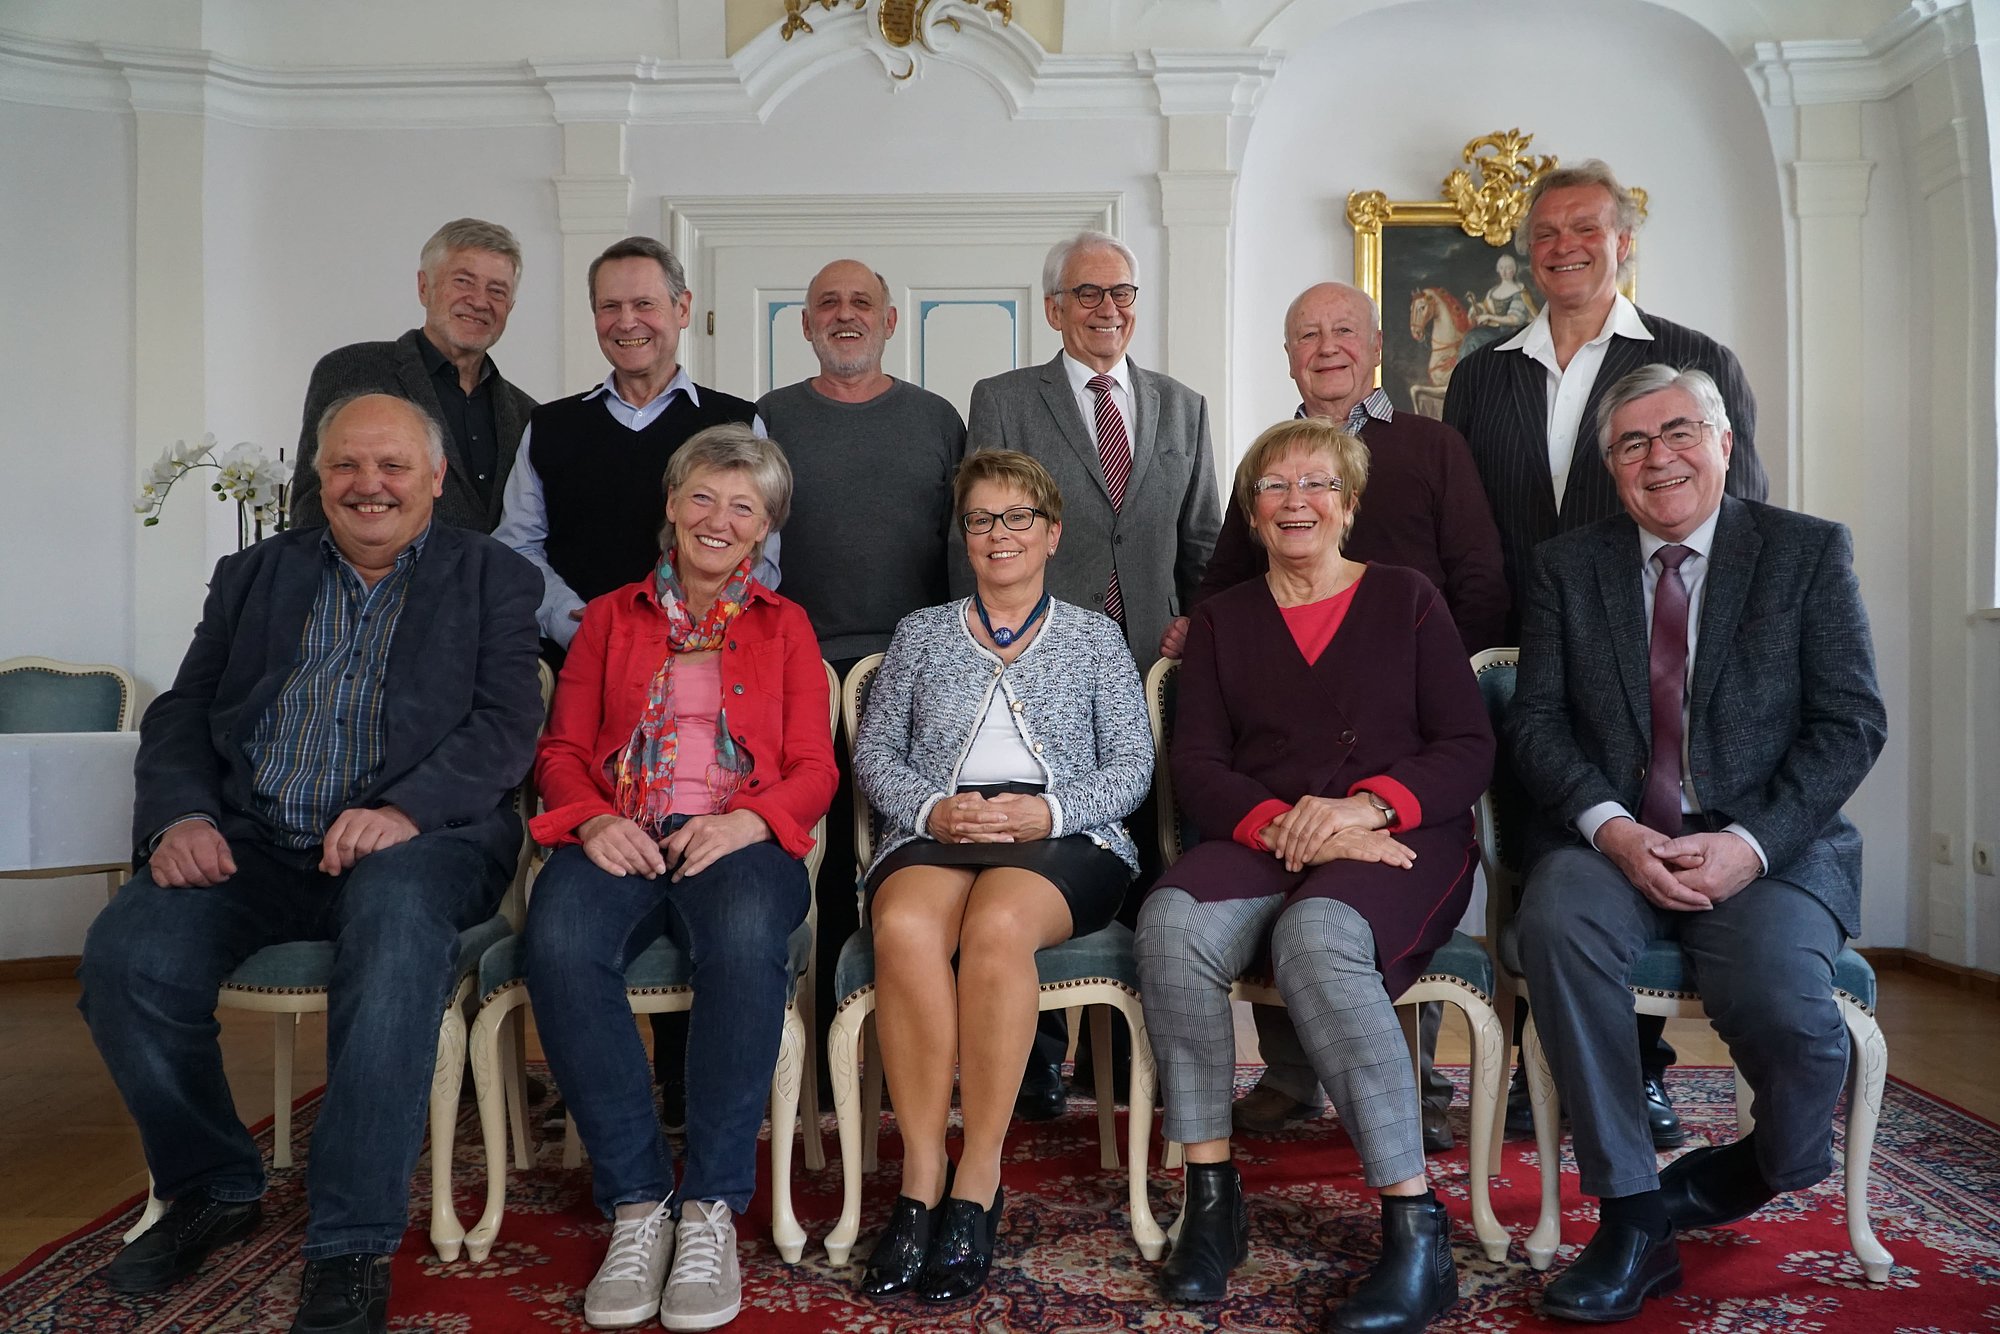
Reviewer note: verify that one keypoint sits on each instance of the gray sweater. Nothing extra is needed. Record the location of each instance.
(866, 543)
(1075, 693)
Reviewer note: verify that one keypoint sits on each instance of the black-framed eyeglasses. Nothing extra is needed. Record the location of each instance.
(1310, 485)
(1018, 519)
(1680, 434)
(1090, 296)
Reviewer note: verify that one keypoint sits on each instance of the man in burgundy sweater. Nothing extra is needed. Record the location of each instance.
(1425, 509)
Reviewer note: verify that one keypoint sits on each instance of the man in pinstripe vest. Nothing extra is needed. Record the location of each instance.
(1523, 404)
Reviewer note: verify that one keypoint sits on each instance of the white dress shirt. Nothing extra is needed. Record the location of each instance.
(1694, 577)
(1080, 377)
(1569, 387)
(524, 519)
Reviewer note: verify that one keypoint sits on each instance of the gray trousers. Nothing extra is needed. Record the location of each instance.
(1763, 963)
(1323, 959)
(1287, 1070)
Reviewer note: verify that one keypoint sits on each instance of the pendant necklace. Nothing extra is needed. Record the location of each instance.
(1001, 634)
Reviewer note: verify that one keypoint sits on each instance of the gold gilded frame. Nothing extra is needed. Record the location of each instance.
(1486, 198)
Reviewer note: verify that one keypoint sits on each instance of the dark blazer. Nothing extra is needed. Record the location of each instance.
(398, 368)
(1392, 697)
(462, 700)
(1423, 507)
(1785, 719)
(1160, 540)
(1499, 402)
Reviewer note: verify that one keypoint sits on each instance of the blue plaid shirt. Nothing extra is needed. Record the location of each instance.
(320, 742)
(1376, 405)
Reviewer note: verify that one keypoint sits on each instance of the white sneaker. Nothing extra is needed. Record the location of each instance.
(626, 1290)
(706, 1287)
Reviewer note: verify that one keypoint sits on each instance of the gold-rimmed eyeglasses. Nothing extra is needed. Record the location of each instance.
(1680, 434)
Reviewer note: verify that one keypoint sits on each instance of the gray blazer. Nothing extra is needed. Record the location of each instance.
(398, 368)
(1160, 541)
(1785, 719)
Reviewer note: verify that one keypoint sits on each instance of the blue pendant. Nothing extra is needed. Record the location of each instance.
(1003, 636)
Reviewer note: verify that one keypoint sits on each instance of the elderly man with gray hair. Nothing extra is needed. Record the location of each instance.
(466, 280)
(335, 761)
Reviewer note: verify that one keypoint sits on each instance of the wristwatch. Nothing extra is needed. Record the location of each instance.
(1388, 811)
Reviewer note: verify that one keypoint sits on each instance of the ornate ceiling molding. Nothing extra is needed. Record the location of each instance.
(748, 86)
(1868, 69)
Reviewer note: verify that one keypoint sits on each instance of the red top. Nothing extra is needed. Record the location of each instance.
(1313, 624)
(773, 685)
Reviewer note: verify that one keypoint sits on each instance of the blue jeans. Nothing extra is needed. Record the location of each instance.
(733, 921)
(155, 957)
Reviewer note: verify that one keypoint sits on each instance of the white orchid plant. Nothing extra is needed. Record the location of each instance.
(258, 485)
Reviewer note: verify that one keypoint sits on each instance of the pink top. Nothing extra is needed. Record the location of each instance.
(697, 700)
(1313, 625)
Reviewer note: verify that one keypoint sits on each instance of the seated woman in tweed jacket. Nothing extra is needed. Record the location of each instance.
(1329, 742)
(1004, 740)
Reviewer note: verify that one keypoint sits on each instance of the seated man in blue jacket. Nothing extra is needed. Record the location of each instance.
(334, 761)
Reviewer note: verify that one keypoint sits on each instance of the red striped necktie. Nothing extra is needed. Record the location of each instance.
(1114, 454)
(1660, 806)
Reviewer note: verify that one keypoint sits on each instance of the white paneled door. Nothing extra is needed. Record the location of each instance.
(964, 274)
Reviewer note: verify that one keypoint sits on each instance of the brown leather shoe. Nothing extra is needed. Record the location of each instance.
(1266, 1111)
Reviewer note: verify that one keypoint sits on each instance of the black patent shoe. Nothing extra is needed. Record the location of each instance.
(897, 1261)
(1214, 1236)
(961, 1249)
(194, 1227)
(1701, 1189)
(345, 1294)
(1613, 1277)
(1042, 1096)
(1414, 1282)
(1661, 1118)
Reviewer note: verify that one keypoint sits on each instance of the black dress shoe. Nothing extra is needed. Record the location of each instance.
(1661, 1118)
(1701, 1189)
(961, 1249)
(1617, 1272)
(897, 1261)
(1437, 1130)
(194, 1227)
(1414, 1282)
(1520, 1112)
(1214, 1237)
(346, 1294)
(1042, 1096)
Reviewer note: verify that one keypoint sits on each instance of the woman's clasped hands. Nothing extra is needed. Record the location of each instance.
(1008, 817)
(1318, 830)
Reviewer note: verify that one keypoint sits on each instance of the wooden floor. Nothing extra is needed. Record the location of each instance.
(68, 1153)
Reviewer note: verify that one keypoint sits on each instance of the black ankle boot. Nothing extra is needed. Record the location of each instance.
(1214, 1238)
(1414, 1282)
(962, 1248)
(898, 1258)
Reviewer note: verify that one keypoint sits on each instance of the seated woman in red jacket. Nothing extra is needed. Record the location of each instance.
(1329, 744)
(686, 759)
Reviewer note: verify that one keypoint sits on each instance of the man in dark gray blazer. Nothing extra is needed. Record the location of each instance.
(466, 279)
(335, 761)
(1526, 407)
(1696, 700)
(1137, 537)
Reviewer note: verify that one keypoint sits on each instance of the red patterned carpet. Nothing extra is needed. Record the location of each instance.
(1067, 1262)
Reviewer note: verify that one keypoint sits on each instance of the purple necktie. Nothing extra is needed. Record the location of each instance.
(1660, 807)
(1114, 454)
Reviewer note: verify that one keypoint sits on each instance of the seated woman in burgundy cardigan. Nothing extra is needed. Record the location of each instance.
(1329, 744)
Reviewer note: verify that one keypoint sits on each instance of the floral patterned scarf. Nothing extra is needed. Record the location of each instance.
(642, 774)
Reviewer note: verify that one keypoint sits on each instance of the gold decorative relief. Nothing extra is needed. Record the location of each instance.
(903, 24)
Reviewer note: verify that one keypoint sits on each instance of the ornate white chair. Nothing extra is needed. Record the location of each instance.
(657, 981)
(1661, 984)
(49, 695)
(1460, 975)
(1097, 971)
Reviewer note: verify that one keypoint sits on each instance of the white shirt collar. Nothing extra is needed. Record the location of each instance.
(681, 381)
(1081, 375)
(1538, 342)
(1701, 541)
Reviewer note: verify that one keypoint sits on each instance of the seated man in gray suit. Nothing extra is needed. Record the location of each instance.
(466, 280)
(1696, 701)
(1129, 451)
(1128, 448)
(335, 761)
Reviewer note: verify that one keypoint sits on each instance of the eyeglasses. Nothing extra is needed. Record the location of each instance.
(1310, 485)
(1679, 435)
(1018, 520)
(1090, 296)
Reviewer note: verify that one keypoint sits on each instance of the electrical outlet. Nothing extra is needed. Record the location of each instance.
(1941, 851)
(1982, 858)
